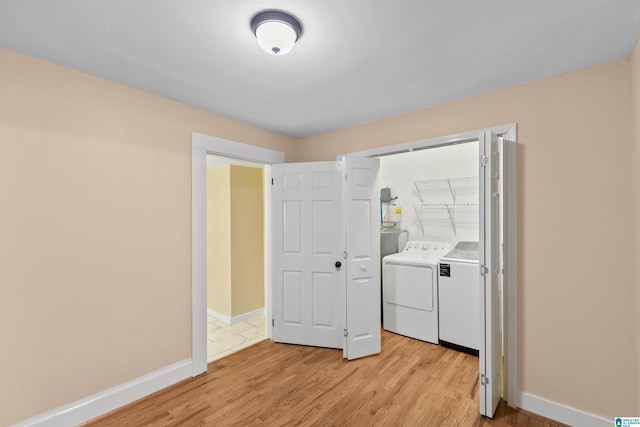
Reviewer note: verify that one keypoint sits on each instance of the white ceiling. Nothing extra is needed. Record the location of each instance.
(357, 60)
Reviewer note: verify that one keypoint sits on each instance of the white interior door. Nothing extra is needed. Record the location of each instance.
(490, 338)
(361, 198)
(308, 240)
(326, 256)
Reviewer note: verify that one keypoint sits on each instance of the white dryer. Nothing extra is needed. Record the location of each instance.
(410, 290)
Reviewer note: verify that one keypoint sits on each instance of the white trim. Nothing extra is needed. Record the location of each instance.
(422, 144)
(237, 150)
(268, 255)
(201, 145)
(219, 316)
(509, 133)
(246, 316)
(511, 263)
(199, 260)
(485, 229)
(235, 319)
(107, 400)
(561, 413)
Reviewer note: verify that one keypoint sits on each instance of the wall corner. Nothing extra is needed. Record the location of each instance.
(635, 150)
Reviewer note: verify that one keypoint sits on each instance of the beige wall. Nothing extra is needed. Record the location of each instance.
(635, 132)
(235, 239)
(247, 245)
(95, 232)
(219, 239)
(95, 223)
(577, 334)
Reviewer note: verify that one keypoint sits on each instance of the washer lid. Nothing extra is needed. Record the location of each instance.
(464, 252)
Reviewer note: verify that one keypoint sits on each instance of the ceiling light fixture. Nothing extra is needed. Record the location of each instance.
(276, 31)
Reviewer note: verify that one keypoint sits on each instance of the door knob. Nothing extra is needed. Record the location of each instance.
(338, 264)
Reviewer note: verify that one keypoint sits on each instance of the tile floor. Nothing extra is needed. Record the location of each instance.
(223, 339)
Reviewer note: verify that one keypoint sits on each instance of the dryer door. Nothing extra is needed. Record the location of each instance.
(409, 286)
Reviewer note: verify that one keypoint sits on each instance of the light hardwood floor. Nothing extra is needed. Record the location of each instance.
(411, 383)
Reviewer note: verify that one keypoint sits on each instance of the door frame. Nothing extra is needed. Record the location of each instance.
(509, 133)
(201, 145)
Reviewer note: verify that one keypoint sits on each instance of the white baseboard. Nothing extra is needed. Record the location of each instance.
(219, 316)
(105, 401)
(235, 319)
(559, 412)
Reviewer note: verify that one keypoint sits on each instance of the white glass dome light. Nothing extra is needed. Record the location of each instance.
(276, 31)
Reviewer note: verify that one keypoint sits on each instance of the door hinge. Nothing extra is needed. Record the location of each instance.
(271, 181)
(484, 160)
(483, 379)
(484, 270)
(346, 333)
(344, 254)
(345, 177)
(273, 322)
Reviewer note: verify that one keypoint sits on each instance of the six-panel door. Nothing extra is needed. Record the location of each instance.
(308, 236)
(361, 202)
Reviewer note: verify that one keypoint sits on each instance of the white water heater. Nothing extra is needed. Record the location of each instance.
(394, 213)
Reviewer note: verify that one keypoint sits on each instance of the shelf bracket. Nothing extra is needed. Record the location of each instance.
(452, 218)
(453, 193)
(418, 219)
(418, 192)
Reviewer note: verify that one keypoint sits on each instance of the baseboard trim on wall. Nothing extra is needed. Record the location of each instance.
(218, 316)
(561, 413)
(235, 319)
(106, 401)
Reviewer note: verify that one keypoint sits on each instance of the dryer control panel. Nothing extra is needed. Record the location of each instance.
(426, 248)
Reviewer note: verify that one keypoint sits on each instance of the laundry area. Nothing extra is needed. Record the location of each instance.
(429, 234)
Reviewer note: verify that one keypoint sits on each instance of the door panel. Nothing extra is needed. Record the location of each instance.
(292, 227)
(292, 181)
(308, 236)
(490, 338)
(292, 297)
(322, 314)
(363, 257)
(362, 335)
(361, 229)
(321, 241)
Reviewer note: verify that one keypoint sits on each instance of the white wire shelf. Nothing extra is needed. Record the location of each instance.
(448, 202)
(446, 190)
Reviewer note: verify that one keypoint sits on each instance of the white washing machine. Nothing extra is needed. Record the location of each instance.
(410, 290)
(459, 296)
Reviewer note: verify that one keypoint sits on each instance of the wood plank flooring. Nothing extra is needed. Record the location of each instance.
(411, 383)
